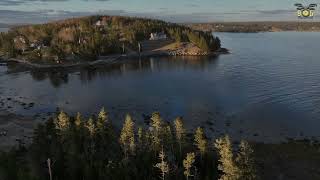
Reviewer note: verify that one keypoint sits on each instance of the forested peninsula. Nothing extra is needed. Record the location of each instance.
(89, 38)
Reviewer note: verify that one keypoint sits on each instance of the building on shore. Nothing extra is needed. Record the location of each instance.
(158, 36)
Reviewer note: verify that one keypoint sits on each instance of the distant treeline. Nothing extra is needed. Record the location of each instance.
(75, 148)
(256, 26)
(89, 37)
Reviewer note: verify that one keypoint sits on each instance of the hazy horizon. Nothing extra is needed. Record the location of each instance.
(179, 11)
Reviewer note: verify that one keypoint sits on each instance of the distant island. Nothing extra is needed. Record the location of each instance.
(252, 27)
(91, 38)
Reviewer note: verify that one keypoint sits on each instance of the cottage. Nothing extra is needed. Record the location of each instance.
(37, 45)
(101, 23)
(20, 43)
(20, 39)
(158, 36)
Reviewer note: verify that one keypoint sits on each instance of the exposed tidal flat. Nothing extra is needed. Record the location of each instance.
(263, 92)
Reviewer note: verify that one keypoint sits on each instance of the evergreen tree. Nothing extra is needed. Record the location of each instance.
(91, 127)
(163, 166)
(62, 122)
(140, 135)
(200, 141)
(127, 136)
(179, 132)
(168, 138)
(102, 119)
(227, 165)
(156, 122)
(78, 120)
(156, 125)
(245, 161)
(187, 164)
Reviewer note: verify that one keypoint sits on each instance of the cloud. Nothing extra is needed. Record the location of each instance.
(42, 16)
(11, 3)
(21, 2)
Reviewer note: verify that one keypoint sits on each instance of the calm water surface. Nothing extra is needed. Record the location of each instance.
(267, 89)
(4, 29)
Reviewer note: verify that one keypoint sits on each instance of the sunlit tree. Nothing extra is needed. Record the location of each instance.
(163, 166)
(78, 120)
(62, 122)
(156, 125)
(245, 161)
(227, 164)
(91, 127)
(200, 141)
(188, 163)
(156, 122)
(127, 140)
(179, 132)
(102, 119)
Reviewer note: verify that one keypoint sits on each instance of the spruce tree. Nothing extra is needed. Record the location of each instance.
(245, 161)
(179, 132)
(168, 137)
(227, 165)
(142, 139)
(102, 119)
(156, 125)
(187, 164)
(127, 136)
(156, 122)
(62, 122)
(91, 127)
(163, 166)
(140, 135)
(78, 120)
(200, 141)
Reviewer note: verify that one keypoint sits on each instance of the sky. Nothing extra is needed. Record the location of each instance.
(39, 11)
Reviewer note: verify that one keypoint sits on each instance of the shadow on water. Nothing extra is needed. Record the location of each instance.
(58, 77)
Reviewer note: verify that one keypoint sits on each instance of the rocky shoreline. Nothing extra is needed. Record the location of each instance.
(103, 60)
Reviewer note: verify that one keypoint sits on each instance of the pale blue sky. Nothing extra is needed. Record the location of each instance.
(18, 11)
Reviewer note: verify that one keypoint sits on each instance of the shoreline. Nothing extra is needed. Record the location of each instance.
(298, 157)
(105, 60)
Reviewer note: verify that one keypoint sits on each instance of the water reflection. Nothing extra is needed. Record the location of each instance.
(58, 77)
(261, 91)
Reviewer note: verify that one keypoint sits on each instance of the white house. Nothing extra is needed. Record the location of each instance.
(37, 45)
(101, 23)
(158, 36)
(19, 38)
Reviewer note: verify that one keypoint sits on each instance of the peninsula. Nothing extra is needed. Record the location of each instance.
(87, 39)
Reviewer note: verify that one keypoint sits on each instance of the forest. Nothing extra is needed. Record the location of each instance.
(73, 148)
(255, 27)
(87, 38)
